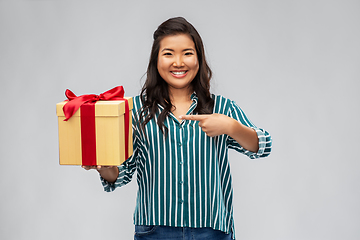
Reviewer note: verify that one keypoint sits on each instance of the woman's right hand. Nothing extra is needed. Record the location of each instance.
(97, 167)
(109, 173)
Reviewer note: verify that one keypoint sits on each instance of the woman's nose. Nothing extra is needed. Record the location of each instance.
(178, 62)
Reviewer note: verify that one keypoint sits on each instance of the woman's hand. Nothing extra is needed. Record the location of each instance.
(216, 124)
(98, 168)
(109, 173)
(212, 124)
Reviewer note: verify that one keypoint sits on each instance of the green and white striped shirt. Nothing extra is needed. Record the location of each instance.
(184, 178)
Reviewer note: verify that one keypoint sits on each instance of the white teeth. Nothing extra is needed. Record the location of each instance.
(179, 73)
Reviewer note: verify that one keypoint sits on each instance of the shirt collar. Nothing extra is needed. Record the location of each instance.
(194, 96)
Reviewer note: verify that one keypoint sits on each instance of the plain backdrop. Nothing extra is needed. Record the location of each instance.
(292, 66)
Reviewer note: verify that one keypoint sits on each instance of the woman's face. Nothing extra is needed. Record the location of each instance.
(177, 61)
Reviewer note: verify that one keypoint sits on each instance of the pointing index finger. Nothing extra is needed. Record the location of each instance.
(194, 117)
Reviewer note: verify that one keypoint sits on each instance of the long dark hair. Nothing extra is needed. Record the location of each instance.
(155, 90)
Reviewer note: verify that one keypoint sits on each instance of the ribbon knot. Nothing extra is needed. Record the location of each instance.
(75, 102)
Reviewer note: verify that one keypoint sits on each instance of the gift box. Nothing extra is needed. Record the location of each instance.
(96, 131)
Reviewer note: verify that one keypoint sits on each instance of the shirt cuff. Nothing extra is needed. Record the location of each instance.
(108, 186)
(262, 143)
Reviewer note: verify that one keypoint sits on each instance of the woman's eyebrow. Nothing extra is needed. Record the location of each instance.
(172, 50)
(168, 49)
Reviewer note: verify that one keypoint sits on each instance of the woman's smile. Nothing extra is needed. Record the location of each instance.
(179, 74)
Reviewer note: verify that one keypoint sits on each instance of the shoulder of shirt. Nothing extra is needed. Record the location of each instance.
(222, 104)
(137, 102)
(136, 98)
(219, 99)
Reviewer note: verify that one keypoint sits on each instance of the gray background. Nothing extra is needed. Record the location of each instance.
(293, 67)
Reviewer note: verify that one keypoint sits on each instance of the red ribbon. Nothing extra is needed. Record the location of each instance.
(86, 103)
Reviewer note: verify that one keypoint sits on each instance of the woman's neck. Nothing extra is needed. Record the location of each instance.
(181, 101)
(180, 95)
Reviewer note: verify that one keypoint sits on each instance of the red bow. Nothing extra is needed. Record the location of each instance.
(75, 102)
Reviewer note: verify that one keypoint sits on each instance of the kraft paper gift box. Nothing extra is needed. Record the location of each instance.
(103, 143)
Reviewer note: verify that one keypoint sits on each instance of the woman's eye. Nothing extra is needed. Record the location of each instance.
(189, 53)
(168, 54)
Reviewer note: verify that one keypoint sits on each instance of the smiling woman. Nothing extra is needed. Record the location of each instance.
(182, 134)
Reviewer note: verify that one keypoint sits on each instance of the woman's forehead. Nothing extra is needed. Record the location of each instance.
(177, 41)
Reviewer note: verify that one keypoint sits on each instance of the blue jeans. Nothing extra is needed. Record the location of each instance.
(178, 233)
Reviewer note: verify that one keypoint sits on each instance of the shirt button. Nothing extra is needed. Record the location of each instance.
(179, 144)
(181, 201)
(181, 182)
(181, 162)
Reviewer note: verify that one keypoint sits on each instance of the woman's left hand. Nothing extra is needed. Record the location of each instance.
(212, 124)
(216, 124)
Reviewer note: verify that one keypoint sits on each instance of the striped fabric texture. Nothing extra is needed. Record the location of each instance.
(184, 177)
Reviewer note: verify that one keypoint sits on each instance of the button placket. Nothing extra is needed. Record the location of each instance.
(181, 164)
(181, 137)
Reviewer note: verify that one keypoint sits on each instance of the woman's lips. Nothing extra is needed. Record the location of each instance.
(178, 74)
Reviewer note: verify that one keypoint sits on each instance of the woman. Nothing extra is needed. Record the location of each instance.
(182, 134)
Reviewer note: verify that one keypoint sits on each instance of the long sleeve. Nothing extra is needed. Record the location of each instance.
(126, 171)
(265, 141)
